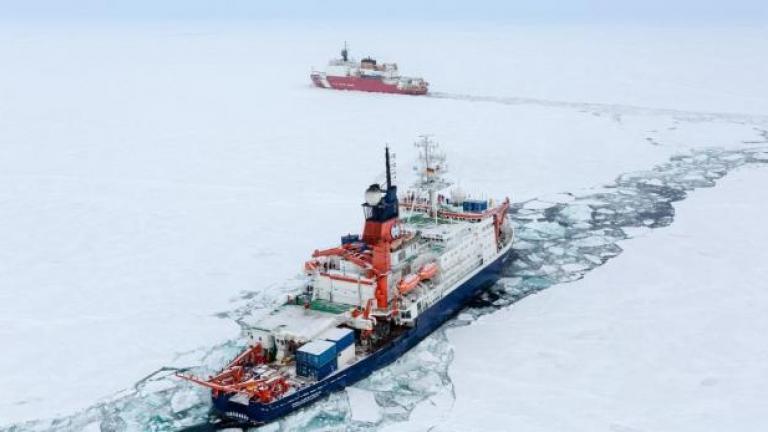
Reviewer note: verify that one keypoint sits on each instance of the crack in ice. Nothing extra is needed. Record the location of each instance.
(560, 239)
(616, 111)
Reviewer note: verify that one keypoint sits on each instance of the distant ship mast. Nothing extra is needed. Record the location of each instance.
(429, 169)
(345, 52)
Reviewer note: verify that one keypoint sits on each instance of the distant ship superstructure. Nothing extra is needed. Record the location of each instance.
(367, 75)
(370, 299)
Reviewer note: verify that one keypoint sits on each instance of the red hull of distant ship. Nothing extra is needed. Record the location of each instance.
(364, 84)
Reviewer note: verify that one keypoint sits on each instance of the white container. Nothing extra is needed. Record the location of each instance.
(346, 357)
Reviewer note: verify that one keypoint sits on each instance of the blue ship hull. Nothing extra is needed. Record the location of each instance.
(426, 323)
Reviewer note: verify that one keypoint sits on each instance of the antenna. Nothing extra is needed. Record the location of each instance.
(393, 165)
(344, 52)
(389, 172)
(430, 169)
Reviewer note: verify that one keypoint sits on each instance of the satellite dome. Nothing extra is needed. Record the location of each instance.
(373, 194)
(458, 196)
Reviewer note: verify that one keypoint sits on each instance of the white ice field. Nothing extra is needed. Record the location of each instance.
(157, 184)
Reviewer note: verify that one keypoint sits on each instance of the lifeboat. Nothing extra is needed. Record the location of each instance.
(408, 283)
(310, 266)
(428, 271)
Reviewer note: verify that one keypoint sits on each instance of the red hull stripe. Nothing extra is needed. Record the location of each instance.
(364, 84)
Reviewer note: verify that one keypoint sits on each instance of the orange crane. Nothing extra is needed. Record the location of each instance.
(235, 378)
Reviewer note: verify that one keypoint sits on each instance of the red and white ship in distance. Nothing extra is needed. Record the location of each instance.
(347, 74)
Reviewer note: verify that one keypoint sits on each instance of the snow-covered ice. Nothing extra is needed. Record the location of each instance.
(668, 337)
(160, 185)
(362, 404)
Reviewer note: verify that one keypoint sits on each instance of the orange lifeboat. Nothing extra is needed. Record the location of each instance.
(428, 271)
(310, 266)
(408, 283)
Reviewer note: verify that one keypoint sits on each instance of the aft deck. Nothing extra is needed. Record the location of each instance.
(299, 322)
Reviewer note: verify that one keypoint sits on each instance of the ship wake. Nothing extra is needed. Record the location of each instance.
(613, 110)
(560, 238)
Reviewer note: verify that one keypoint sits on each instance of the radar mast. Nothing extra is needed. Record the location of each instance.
(345, 52)
(430, 168)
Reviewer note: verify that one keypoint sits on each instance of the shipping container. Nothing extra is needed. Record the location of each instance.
(475, 206)
(316, 353)
(316, 373)
(346, 357)
(341, 337)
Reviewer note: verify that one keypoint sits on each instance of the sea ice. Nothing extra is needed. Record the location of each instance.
(653, 182)
(427, 357)
(538, 205)
(465, 317)
(185, 399)
(363, 405)
(574, 267)
(193, 195)
(521, 245)
(633, 349)
(639, 231)
(92, 427)
(593, 241)
(577, 212)
(541, 231)
(557, 198)
(593, 259)
(556, 250)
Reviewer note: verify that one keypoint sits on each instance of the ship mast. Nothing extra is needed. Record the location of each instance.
(345, 52)
(389, 170)
(429, 169)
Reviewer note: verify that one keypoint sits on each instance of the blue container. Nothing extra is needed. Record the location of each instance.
(316, 373)
(475, 206)
(316, 353)
(341, 337)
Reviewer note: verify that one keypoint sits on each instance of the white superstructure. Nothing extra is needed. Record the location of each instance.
(362, 296)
